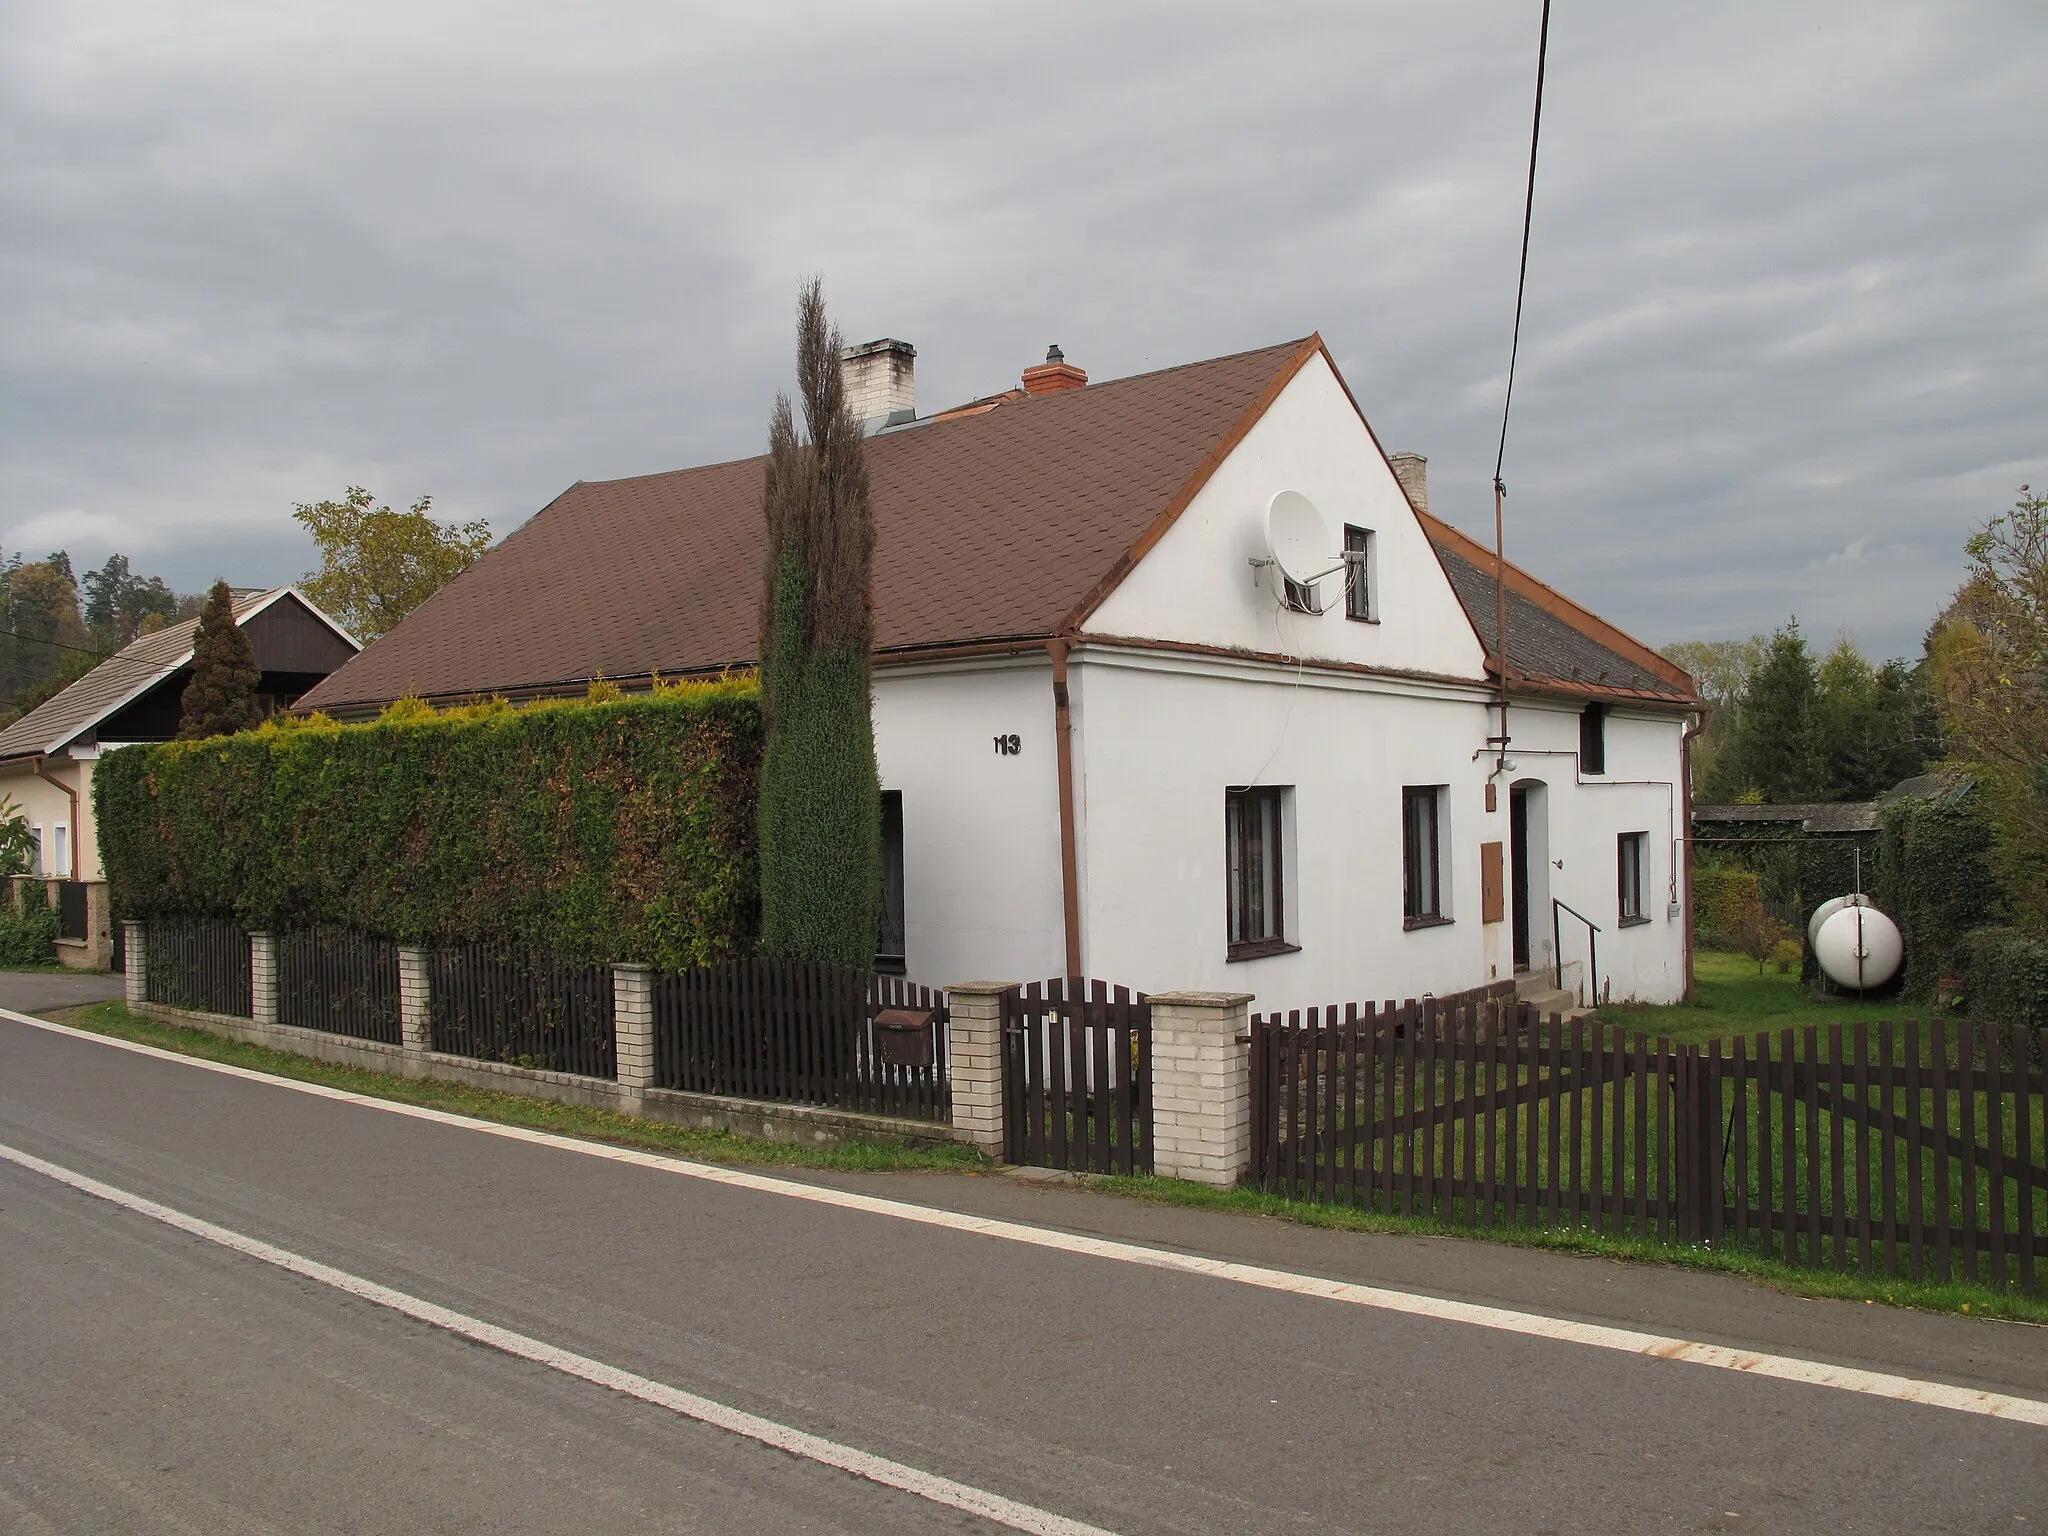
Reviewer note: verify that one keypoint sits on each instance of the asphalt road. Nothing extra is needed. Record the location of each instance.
(46, 991)
(151, 1380)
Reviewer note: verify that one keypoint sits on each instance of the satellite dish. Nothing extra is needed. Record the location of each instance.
(1299, 539)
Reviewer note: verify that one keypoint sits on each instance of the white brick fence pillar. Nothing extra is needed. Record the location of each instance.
(633, 1031)
(263, 978)
(134, 962)
(974, 1057)
(415, 1034)
(1201, 1087)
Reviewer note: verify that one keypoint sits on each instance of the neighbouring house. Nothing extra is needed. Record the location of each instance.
(47, 756)
(1113, 739)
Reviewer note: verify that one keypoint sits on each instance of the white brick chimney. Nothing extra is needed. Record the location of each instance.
(881, 382)
(1412, 470)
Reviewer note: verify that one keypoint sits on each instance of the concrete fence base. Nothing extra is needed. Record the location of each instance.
(787, 1124)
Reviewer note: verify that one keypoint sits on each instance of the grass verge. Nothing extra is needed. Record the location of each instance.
(580, 1120)
(1956, 1297)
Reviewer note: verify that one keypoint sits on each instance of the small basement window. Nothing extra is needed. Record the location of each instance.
(1254, 828)
(889, 946)
(1593, 739)
(1422, 887)
(1358, 575)
(1628, 862)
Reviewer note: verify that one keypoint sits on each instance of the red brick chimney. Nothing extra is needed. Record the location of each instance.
(1053, 375)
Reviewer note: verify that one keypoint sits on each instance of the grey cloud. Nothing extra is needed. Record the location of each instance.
(1786, 293)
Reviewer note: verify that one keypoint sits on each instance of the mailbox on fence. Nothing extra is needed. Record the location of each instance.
(904, 1036)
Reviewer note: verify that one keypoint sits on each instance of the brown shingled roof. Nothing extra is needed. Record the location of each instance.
(1554, 645)
(989, 527)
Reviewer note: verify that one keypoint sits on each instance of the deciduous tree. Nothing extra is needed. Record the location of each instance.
(1989, 654)
(378, 565)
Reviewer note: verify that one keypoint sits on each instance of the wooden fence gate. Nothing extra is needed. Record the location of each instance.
(1879, 1148)
(1077, 1077)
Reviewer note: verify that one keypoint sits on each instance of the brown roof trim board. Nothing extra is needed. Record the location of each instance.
(1309, 346)
(1561, 607)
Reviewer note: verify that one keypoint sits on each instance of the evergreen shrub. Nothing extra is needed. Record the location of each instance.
(614, 831)
(28, 925)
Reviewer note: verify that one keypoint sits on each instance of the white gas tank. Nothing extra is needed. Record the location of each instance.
(1859, 948)
(1828, 909)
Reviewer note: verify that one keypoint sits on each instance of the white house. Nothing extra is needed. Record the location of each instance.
(1113, 739)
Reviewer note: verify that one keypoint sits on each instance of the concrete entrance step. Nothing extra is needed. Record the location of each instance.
(1564, 1004)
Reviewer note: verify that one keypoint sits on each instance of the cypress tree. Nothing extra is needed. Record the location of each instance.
(221, 698)
(820, 806)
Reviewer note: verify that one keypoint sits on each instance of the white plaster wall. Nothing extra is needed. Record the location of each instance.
(981, 831)
(1159, 740)
(1197, 585)
(1641, 791)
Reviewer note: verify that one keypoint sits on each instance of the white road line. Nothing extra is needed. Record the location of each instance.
(1815, 1373)
(876, 1469)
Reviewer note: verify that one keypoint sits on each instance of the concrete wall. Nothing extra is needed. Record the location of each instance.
(1582, 817)
(1197, 584)
(981, 857)
(1163, 736)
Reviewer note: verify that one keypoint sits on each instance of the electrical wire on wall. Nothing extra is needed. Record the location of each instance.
(1500, 490)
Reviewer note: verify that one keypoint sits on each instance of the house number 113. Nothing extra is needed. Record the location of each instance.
(1008, 746)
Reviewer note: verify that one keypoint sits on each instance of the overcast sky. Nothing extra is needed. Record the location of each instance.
(1786, 340)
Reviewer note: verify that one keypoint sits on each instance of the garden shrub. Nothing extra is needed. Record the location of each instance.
(28, 925)
(1934, 880)
(2005, 977)
(1725, 900)
(621, 830)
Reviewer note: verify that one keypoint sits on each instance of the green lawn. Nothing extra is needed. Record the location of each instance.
(1730, 998)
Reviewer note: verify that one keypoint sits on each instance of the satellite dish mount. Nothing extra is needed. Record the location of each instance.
(1298, 540)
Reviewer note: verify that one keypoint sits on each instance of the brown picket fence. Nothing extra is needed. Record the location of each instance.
(1880, 1148)
(802, 1032)
(1077, 1077)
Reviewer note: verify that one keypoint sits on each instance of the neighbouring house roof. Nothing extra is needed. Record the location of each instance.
(127, 675)
(1005, 520)
(1838, 816)
(1811, 816)
(1553, 643)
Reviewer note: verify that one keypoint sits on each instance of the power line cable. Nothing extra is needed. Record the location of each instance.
(1528, 215)
(1500, 490)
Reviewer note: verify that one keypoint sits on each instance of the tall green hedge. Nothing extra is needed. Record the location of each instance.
(601, 831)
(2005, 977)
(1934, 879)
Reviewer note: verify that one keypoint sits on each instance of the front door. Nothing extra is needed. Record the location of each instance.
(1518, 835)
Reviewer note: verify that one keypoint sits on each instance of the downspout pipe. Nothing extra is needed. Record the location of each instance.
(1699, 723)
(71, 794)
(1063, 752)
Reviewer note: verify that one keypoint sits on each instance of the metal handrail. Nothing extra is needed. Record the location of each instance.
(1592, 947)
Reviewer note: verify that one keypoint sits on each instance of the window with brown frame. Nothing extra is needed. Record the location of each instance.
(1628, 878)
(1254, 829)
(1422, 901)
(1358, 574)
